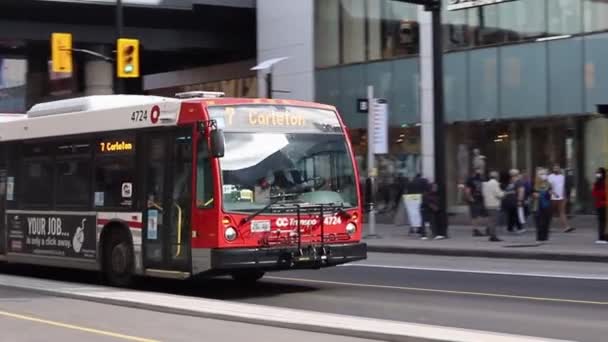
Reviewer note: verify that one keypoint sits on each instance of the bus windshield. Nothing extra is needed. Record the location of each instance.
(309, 168)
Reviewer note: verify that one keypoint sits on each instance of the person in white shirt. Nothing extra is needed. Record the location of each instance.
(558, 196)
(492, 196)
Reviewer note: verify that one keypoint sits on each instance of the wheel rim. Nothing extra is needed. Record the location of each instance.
(119, 259)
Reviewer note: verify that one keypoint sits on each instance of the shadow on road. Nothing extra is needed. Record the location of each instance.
(212, 288)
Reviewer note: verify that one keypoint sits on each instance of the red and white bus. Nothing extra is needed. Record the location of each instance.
(178, 187)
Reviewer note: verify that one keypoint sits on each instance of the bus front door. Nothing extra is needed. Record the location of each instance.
(168, 190)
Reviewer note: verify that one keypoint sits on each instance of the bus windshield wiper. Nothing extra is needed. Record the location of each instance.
(273, 200)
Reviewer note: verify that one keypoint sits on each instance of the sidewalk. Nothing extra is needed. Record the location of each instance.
(576, 246)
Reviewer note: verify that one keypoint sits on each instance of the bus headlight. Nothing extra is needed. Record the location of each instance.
(230, 234)
(351, 228)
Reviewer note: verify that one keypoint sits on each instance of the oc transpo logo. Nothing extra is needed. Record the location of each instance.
(282, 222)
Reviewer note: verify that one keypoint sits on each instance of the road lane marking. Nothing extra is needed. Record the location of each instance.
(75, 327)
(439, 269)
(420, 289)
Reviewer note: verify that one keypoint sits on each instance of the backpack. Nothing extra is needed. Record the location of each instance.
(544, 199)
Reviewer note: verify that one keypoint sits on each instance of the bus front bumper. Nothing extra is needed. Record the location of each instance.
(280, 258)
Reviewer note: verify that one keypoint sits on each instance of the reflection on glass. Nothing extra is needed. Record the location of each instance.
(306, 168)
(12, 85)
(564, 17)
(399, 29)
(456, 30)
(596, 15)
(522, 20)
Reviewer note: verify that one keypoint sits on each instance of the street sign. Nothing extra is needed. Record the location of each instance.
(362, 106)
(454, 5)
(379, 126)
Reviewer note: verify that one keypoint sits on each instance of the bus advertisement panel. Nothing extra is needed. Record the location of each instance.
(53, 235)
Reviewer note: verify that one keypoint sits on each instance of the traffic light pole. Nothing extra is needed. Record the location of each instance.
(119, 86)
(438, 118)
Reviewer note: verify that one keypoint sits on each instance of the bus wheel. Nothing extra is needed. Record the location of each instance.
(118, 261)
(247, 277)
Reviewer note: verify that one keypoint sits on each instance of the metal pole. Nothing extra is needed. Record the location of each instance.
(371, 167)
(119, 86)
(269, 84)
(438, 119)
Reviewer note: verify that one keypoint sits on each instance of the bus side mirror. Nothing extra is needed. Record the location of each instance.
(217, 143)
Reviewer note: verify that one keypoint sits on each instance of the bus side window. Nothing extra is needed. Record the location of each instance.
(204, 178)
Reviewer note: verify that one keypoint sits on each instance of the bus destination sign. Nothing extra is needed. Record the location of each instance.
(275, 118)
(115, 146)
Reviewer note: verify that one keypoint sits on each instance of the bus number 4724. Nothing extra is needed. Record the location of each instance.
(139, 115)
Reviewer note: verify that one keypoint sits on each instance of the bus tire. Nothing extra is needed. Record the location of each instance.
(118, 259)
(247, 277)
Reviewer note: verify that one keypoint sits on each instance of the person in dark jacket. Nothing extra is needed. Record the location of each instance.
(599, 195)
(543, 209)
(430, 208)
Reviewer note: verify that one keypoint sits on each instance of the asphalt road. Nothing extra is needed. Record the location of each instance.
(564, 300)
(30, 317)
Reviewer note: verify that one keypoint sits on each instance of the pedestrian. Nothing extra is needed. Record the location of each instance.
(474, 196)
(599, 194)
(558, 196)
(528, 189)
(492, 195)
(430, 209)
(413, 202)
(513, 202)
(543, 208)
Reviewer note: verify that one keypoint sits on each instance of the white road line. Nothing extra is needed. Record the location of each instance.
(522, 274)
(422, 289)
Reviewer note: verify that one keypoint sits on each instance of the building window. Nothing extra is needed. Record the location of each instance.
(353, 30)
(508, 22)
(12, 85)
(522, 20)
(400, 29)
(564, 17)
(596, 15)
(484, 23)
(327, 32)
(456, 33)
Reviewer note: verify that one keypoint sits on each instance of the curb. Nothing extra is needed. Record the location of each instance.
(482, 253)
(333, 324)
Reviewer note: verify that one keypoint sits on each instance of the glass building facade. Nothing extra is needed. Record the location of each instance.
(521, 82)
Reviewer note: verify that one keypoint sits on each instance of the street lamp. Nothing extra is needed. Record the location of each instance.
(268, 65)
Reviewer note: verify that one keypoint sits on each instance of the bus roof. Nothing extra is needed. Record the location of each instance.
(233, 101)
(104, 113)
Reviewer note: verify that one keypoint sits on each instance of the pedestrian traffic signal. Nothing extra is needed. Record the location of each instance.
(61, 52)
(127, 60)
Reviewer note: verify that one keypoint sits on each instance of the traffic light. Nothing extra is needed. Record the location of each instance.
(61, 52)
(127, 58)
